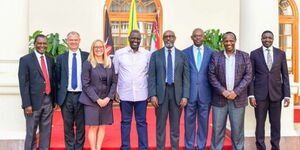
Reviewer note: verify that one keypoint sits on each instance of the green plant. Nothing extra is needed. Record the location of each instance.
(55, 46)
(213, 39)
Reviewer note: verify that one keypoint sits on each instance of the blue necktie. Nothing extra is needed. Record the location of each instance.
(199, 59)
(169, 68)
(74, 72)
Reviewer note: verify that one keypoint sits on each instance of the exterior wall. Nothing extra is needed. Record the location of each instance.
(86, 17)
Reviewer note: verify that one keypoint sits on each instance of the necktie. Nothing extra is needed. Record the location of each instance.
(199, 59)
(46, 77)
(169, 68)
(74, 72)
(269, 59)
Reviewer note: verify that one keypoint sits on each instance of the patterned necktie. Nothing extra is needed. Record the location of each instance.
(74, 72)
(269, 59)
(46, 77)
(169, 68)
(199, 59)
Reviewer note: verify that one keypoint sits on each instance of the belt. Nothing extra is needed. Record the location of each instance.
(167, 84)
(74, 92)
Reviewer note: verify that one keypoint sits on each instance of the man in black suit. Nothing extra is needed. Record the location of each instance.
(269, 87)
(168, 88)
(68, 72)
(36, 81)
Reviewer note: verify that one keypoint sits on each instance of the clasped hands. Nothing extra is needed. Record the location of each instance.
(230, 95)
(103, 102)
(154, 102)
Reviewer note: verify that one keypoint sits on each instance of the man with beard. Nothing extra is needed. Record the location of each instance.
(131, 66)
(269, 87)
(230, 73)
(168, 87)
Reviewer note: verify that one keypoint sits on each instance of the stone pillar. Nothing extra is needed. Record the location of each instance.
(14, 39)
(257, 16)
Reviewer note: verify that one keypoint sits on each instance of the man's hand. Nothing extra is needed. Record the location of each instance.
(225, 93)
(183, 102)
(117, 98)
(286, 102)
(232, 95)
(28, 111)
(106, 101)
(100, 102)
(252, 102)
(154, 101)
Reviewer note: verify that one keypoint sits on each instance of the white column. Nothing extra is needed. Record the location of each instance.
(257, 16)
(14, 39)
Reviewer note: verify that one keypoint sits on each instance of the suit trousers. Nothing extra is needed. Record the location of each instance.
(196, 111)
(41, 119)
(170, 107)
(140, 109)
(72, 113)
(261, 110)
(236, 118)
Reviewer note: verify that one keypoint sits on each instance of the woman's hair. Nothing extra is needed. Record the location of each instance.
(106, 59)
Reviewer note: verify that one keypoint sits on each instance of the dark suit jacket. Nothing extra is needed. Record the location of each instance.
(32, 82)
(157, 76)
(98, 82)
(243, 77)
(274, 82)
(199, 83)
(62, 74)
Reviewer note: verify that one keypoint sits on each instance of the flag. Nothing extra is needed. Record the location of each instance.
(109, 42)
(132, 24)
(155, 38)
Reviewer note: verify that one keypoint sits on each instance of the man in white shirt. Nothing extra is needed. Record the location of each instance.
(270, 86)
(131, 66)
(36, 80)
(68, 73)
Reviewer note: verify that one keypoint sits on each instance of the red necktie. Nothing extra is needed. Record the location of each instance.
(46, 77)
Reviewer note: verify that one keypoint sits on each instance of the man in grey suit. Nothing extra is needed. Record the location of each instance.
(230, 72)
(36, 80)
(168, 88)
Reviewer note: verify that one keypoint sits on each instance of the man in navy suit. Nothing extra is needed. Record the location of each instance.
(269, 87)
(68, 72)
(230, 73)
(200, 92)
(168, 89)
(36, 80)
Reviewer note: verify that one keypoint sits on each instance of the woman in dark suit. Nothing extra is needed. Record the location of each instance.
(98, 89)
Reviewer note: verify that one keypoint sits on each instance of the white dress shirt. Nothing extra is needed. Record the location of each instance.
(173, 60)
(266, 53)
(38, 56)
(79, 65)
(132, 68)
(195, 52)
(230, 70)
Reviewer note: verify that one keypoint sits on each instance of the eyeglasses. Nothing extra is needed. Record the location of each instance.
(169, 36)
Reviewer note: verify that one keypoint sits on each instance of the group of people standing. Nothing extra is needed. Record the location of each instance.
(196, 79)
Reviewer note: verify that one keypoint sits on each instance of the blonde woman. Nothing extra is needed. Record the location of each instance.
(98, 89)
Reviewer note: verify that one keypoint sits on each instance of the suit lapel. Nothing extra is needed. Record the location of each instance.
(162, 57)
(204, 58)
(176, 59)
(49, 66)
(238, 60)
(65, 61)
(192, 57)
(275, 57)
(36, 62)
(262, 57)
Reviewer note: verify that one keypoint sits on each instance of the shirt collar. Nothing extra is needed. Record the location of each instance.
(38, 54)
(131, 51)
(196, 48)
(172, 49)
(265, 49)
(227, 55)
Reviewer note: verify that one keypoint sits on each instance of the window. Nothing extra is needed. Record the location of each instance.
(118, 12)
(288, 35)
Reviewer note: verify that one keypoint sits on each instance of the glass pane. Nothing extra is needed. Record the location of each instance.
(289, 64)
(287, 29)
(285, 8)
(120, 29)
(288, 53)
